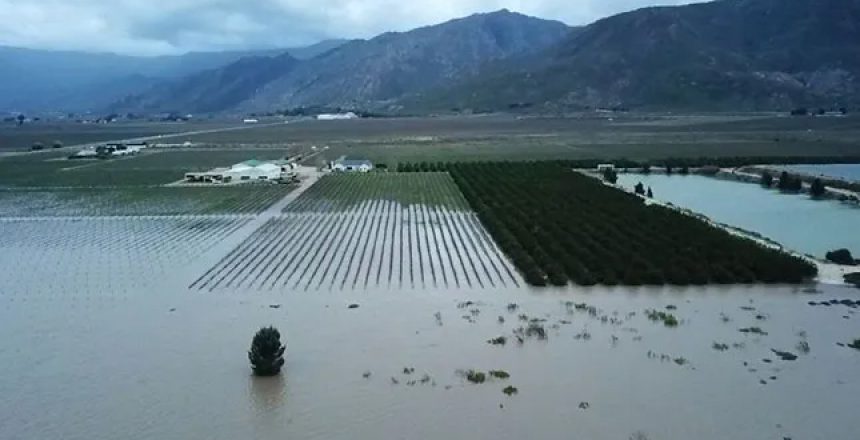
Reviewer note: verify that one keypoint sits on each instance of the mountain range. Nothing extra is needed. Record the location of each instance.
(43, 80)
(722, 55)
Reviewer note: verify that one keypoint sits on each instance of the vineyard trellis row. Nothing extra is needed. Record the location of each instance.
(387, 230)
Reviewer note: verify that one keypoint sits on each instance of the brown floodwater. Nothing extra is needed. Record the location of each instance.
(170, 363)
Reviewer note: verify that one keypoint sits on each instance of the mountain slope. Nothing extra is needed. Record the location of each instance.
(211, 90)
(728, 54)
(371, 73)
(41, 80)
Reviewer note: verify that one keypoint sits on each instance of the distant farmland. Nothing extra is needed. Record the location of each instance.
(361, 231)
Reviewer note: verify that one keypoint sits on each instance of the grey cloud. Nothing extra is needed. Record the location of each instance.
(172, 26)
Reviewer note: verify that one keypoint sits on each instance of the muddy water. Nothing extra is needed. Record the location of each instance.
(170, 363)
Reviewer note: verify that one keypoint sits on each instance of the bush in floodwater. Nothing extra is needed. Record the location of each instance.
(841, 256)
(817, 188)
(476, 376)
(766, 179)
(510, 390)
(855, 344)
(499, 374)
(266, 353)
(853, 278)
(668, 319)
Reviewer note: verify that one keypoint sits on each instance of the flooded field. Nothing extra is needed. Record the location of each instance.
(798, 222)
(359, 232)
(171, 364)
(102, 338)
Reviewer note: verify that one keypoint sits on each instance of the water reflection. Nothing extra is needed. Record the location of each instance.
(267, 394)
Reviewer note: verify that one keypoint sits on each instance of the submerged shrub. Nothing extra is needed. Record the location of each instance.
(841, 256)
(499, 374)
(476, 376)
(267, 353)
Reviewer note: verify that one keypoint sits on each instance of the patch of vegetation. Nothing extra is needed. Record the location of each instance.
(853, 278)
(841, 256)
(720, 346)
(784, 355)
(476, 376)
(753, 330)
(266, 353)
(498, 340)
(499, 374)
(559, 226)
(341, 191)
(510, 390)
(855, 344)
(668, 319)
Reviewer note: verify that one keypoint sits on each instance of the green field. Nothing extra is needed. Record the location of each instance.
(21, 138)
(559, 226)
(153, 167)
(340, 192)
(245, 199)
(591, 136)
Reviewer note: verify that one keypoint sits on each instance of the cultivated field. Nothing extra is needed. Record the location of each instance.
(155, 201)
(637, 136)
(559, 226)
(99, 258)
(21, 138)
(356, 232)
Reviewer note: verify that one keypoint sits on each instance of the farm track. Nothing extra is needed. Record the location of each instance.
(355, 233)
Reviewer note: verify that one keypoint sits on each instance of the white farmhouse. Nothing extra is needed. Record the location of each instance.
(352, 165)
(336, 116)
(254, 170)
(247, 171)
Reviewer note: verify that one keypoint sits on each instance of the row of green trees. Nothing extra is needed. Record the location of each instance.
(559, 226)
(791, 183)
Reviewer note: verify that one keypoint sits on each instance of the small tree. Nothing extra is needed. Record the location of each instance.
(610, 176)
(650, 193)
(685, 170)
(841, 256)
(267, 353)
(37, 146)
(57, 144)
(646, 169)
(817, 188)
(640, 189)
(21, 119)
(766, 179)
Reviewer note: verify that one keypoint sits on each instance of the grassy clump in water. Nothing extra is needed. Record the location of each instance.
(668, 319)
(499, 374)
(754, 330)
(855, 344)
(510, 390)
(720, 346)
(476, 376)
(499, 340)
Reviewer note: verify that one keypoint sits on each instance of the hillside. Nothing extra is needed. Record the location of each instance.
(372, 73)
(729, 54)
(42, 80)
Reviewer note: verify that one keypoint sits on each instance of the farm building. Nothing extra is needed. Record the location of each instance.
(249, 170)
(336, 116)
(352, 165)
(115, 149)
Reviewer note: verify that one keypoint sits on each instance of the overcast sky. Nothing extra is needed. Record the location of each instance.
(150, 27)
